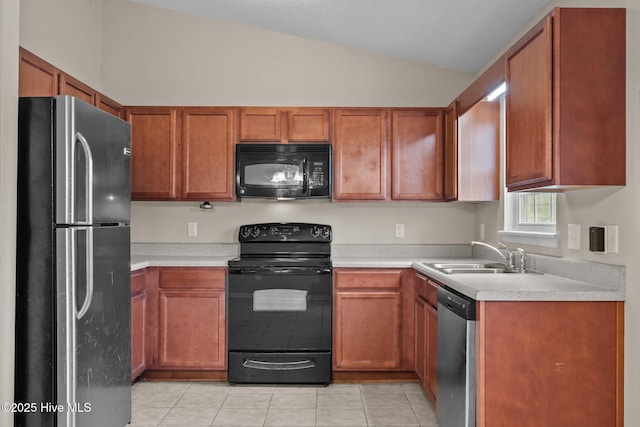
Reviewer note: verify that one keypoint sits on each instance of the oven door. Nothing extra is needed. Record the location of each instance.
(279, 310)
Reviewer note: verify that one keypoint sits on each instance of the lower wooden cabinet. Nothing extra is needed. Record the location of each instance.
(138, 323)
(192, 330)
(550, 363)
(373, 320)
(426, 334)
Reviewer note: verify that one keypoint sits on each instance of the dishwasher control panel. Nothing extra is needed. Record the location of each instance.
(460, 304)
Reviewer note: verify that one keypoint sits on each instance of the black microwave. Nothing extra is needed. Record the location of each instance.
(283, 171)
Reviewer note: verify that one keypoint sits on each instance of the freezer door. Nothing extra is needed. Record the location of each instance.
(93, 334)
(93, 161)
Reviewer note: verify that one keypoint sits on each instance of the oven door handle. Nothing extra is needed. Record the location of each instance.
(291, 270)
(279, 366)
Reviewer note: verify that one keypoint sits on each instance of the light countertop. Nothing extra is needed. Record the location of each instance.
(481, 287)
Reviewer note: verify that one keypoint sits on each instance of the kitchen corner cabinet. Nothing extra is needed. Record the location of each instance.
(565, 102)
(550, 363)
(373, 320)
(451, 152)
(426, 334)
(191, 322)
(273, 125)
(416, 147)
(139, 331)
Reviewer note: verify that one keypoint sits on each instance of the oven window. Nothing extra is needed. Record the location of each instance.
(273, 174)
(279, 300)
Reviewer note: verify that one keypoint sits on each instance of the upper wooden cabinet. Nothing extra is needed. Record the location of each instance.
(360, 146)
(416, 146)
(39, 78)
(565, 102)
(182, 153)
(36, 76)
(267, 124)
(209, 137)
(451, 151)
(155, 148)
(74, 87)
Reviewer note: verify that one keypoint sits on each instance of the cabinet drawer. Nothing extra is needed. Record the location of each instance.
(367, 278)
(180, 278)
(427, 289)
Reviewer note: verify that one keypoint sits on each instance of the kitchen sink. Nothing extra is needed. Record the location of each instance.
(476, 268)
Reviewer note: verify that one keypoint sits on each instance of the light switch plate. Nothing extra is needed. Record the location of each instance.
(574, 237)
(399, 230)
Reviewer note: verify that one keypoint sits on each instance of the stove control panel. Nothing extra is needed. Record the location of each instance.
(285, 232)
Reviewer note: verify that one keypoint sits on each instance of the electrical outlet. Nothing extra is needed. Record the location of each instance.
(481, 232)
(611, 239)
(574, 237)
(399, 230)
(192, 229)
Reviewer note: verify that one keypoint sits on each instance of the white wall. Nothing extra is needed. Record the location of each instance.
(157, 56)
(605, 206)
(9, 14)
(66, 33)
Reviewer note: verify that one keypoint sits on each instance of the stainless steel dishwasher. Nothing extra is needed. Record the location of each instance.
(456, 363)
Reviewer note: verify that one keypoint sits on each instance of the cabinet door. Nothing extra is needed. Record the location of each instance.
(529, 151)
(451, 152)
(260, 124)
(360, 154)
(74, 87)
(192, 329)
(208, 150)
(109, 105)
(138, 323)
(367, 330)
(421, 342)
(417, 155)
(432, 351)
(154, 153)
(37, 77)
(308, 125)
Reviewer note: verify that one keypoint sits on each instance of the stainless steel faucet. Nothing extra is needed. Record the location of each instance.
(508, 259)
(523, 260)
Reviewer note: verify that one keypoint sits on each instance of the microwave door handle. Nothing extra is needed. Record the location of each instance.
(305, 175)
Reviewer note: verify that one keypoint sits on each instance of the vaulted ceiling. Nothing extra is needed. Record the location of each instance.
(456, 34)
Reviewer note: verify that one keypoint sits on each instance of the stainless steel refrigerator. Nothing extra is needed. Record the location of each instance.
(73, 313)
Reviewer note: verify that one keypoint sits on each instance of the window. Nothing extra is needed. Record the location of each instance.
(536, 209)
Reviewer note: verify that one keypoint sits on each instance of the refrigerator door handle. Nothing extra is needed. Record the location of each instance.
(89, 273)
(88, 182)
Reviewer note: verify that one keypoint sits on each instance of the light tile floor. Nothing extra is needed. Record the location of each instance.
(190, 404)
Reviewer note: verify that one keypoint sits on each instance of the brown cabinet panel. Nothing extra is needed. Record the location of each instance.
(192, 329)
(528, 113)
(367, 330)
(367, 278)
(360, 144)
(550, 363)
(260, 124)
(37, 77)
(190, 277)
(421, 343)
(74, 87)
(565, 109)
(479, 153)
(417, 154)
(451, 152)
(208, 151)
(432, 352)
(138, 323)
(109, 105)
(426, 334)
(155, 147)
(308, 125)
